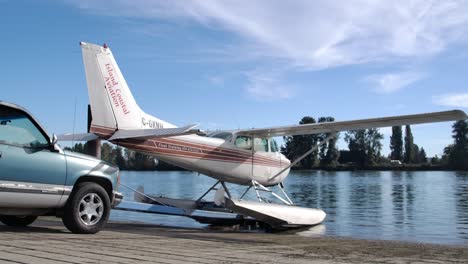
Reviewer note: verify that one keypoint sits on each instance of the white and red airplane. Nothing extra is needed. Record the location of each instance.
(248, 157)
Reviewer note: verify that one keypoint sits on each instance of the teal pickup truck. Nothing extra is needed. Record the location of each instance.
(38, 178)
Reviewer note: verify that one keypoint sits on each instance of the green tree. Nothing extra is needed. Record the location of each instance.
(78, 148)
(447, 153)
(396, 143)
(374, 146)
(409, 146)
(436, 160)
(120, 159)
(422, 156)
(356, 145)
(416, 157)
(333, 154)
(328, 153)
(143, 162)
(365, 146)
(106, 153)
(457, 153)
(295, 146)
(130, 155)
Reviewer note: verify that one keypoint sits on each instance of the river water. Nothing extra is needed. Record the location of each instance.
(429, 207)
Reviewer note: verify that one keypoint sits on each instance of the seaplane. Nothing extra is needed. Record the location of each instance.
(248, 157)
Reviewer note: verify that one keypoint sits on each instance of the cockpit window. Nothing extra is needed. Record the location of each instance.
(273, 146)
(221, 135)
(261, 144)
(243, 142)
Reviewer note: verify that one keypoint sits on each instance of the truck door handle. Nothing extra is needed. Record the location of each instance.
(1, 154)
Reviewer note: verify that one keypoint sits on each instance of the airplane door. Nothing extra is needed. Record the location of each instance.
(265, 163)
(276, 156)
(245, 170)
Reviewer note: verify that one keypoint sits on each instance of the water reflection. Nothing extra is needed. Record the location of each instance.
(461, 198)
(403, 203)
(403, 197)
(365, 199)
(412, 206)
(319, 191)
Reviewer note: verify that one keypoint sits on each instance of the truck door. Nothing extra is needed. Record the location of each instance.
(32, 174)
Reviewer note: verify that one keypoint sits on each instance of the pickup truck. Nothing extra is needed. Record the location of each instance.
(38, 178)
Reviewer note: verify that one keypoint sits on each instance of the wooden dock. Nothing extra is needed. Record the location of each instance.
(49, 242)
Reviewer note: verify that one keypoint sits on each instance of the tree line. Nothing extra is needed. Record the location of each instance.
(295, 146)
(365, 146)
(456, 154)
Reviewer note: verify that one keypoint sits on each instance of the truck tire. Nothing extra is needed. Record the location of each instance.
(87, 210)
(17, 221)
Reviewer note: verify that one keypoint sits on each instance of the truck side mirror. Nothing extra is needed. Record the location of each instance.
(53, 144)
(54, 139)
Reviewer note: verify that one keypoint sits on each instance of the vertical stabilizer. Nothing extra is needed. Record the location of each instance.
(113, 106)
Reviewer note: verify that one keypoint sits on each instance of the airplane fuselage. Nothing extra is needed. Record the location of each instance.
(214, 157)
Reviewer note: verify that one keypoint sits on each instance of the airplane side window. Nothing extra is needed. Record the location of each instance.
(243, 142)
(261, 144)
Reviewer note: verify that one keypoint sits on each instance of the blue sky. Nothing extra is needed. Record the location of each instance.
(239, 64)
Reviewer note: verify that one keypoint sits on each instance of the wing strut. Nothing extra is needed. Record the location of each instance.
(314, 148)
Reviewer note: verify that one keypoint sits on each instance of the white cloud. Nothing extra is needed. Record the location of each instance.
(216, 80)
(309, 35)
(453, 100)
(263, 86)
(317, 34)
(392, 82)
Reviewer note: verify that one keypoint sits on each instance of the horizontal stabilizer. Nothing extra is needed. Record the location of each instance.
(158, 132)
(331, 127)
(77, 137)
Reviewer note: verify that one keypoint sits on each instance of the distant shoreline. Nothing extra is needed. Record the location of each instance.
(425, 167)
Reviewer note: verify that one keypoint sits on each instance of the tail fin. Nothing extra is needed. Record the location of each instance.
(112, 104)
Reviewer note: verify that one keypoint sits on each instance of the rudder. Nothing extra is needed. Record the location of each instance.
(113, 106)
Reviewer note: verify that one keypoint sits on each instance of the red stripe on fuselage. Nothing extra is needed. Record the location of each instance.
(224, 151)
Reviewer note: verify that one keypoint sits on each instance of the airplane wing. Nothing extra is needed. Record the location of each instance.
(331, 127)
(158, 132)
(135, 133)
(77, 137)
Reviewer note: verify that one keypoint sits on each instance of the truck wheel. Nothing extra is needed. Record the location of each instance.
(87, 210)
(17, 221)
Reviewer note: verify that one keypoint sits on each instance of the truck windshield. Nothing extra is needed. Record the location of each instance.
(17, 129)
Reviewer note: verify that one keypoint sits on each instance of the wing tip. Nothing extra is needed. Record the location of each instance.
(459, 114)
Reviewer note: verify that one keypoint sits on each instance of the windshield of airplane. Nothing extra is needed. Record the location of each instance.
(273, 145)
(227, 136)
